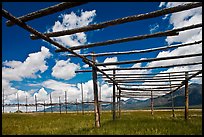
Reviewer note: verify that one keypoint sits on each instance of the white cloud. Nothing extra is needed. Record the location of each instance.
(17, 70)
(64, 69)
(178, 20)
(71, 21)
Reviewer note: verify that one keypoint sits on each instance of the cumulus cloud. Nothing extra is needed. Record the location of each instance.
(17, 70)
(64, 69)
(71, 21)
(178, 20)
(154, 28)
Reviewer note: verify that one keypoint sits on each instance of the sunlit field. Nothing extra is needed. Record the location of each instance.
(137, 122)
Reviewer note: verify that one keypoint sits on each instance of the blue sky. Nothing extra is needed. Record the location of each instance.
(17, 45)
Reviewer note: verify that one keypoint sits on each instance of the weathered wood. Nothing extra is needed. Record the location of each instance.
(26, 104)
(59, 105)
(119, 103)
(141, 68)
(44, 106)
(82, 99)
(95, 88)
(151, 103)
(66, 100)
(148, 60)
(139, 51)
(18, 101)
(124, 20)
(162, 85)
(51, 102)
(172, 98)
(186, 96)
(46, 11)
(183, 82)
(144, 89)
(3, 101)
(36, 105)
(140, 37)
(114, 115)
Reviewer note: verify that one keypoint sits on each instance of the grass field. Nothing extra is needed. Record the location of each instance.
(131, 123)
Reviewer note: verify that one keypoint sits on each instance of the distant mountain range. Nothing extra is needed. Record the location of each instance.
(195, 99)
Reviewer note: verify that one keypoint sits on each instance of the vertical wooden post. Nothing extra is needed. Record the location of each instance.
(100, 106)
(18, 101)
(44, 106)
(95, 88)
(151, 103)
(76, 107)
(59, 104)
(66, 100)
(26, 104)
(172, 98)
(113, 95)
(82, 99)
(3, 100)
(119, 103)
(36, 103)
(51, 102)
(186, 96)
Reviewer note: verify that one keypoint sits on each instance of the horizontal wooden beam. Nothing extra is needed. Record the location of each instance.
(148, 60)
(123, 20)
(140, 37)
(141, 68)
(46, 11)
(138, 51)
(142, 89)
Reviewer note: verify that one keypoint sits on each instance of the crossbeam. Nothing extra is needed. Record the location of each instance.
(148, 60)
(123, 20)
(140, 37)
(46, 11)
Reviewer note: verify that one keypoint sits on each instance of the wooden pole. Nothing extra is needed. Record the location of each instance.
(3, 100)
(76, 107)
(51, 102)
(119, 103)
(126, 19)
(59, 105)
(186, 96)
(66, 100)
(18, 101)
(82, 99)
(36, 103)
(172, 98)
(26, 104)
(113, 96)
(148, 59)
(95, 88)
(46, 11)
(100, 104)
(44, 106)
(151, 103)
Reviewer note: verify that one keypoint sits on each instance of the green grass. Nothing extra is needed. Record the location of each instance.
(130, 123)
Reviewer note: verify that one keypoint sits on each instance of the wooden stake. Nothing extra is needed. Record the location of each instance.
(3, 100)
(36, 103)
(186, 96)
(172, 98)
(44, 106)
(26, 104)
(82, 99)
(18, 101)
(119, 103)
(113, 96)
(151, 103)
(95, 87)
(59, 104)
(51, 102)
(66, 100)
